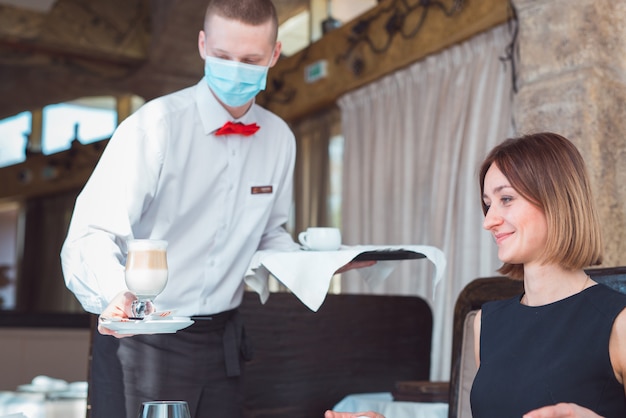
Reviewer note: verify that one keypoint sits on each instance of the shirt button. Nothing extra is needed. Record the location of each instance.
(233, 153)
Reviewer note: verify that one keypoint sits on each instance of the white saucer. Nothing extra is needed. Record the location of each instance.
(154, 326)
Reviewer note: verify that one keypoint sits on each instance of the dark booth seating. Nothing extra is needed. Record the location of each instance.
(305, 362)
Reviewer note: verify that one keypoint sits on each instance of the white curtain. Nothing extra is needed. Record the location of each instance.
(413, 143)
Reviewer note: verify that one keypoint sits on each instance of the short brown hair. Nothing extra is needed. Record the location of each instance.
(251, 12)
(548, 171)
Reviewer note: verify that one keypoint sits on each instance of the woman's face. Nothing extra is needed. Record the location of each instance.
(519, 227)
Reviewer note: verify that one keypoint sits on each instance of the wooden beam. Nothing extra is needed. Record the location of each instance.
(111, 31)
(19, 23)
(389, 37)
(50, 174)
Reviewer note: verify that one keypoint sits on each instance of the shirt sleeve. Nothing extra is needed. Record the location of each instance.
(112, 201)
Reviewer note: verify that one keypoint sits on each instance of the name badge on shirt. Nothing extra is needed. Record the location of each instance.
(261, 190)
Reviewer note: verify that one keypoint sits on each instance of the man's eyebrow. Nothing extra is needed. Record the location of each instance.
(224, 52)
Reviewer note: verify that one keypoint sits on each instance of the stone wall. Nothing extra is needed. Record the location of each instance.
(572, 80)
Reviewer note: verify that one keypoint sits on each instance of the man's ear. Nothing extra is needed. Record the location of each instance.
(277, 49)
(202, 44)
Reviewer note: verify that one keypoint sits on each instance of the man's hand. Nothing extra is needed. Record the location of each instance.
(355, 265)
(120, 307)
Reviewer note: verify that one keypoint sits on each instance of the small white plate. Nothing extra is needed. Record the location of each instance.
(154, 326)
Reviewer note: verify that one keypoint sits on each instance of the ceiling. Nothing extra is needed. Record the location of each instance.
(58, 50)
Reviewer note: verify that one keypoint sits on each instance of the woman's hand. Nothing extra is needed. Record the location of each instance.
(120, 307)
(562, 410)
(369, 414)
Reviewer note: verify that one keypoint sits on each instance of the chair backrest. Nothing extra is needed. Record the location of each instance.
(463, 367)
(614, 277)
(470, 300)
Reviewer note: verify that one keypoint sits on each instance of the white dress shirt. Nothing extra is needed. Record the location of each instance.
(165, 175)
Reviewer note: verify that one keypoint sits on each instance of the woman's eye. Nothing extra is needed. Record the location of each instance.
(506, 199)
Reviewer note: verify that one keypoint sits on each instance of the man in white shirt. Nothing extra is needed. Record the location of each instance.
(168, 174)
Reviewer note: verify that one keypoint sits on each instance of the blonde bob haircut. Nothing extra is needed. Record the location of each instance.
(548, 171)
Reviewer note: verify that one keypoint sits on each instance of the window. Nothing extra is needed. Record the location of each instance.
(304, 28)
(13, 137)
(88, 121)
(9, 216)
(335, 157)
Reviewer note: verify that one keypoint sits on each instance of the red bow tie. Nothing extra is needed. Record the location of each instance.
(238, 128)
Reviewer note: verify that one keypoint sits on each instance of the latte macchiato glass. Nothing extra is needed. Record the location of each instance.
(146, 273)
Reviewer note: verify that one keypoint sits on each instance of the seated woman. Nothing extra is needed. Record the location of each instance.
(558, 350)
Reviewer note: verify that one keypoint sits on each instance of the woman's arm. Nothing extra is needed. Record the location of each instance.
(617, 348)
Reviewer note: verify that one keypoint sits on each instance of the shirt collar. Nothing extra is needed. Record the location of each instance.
(212, 113)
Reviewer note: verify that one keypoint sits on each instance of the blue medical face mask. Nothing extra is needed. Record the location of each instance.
(234, 83)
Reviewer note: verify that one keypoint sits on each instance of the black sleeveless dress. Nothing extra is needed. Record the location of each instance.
(536, 356)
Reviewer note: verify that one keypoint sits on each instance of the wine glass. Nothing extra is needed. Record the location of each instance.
(164, 409)
(146, 273)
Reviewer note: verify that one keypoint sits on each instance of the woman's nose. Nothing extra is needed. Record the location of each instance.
(492, 218)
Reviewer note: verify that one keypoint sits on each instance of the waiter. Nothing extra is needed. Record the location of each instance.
(209, 171)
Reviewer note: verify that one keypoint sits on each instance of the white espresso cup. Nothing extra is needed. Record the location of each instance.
(320, 239)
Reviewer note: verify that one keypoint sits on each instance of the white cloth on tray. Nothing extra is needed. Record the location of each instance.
(308, 273)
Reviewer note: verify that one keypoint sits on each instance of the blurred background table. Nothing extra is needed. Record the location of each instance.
(37, 405)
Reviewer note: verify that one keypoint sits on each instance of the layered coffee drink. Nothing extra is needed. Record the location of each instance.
(146, 272)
